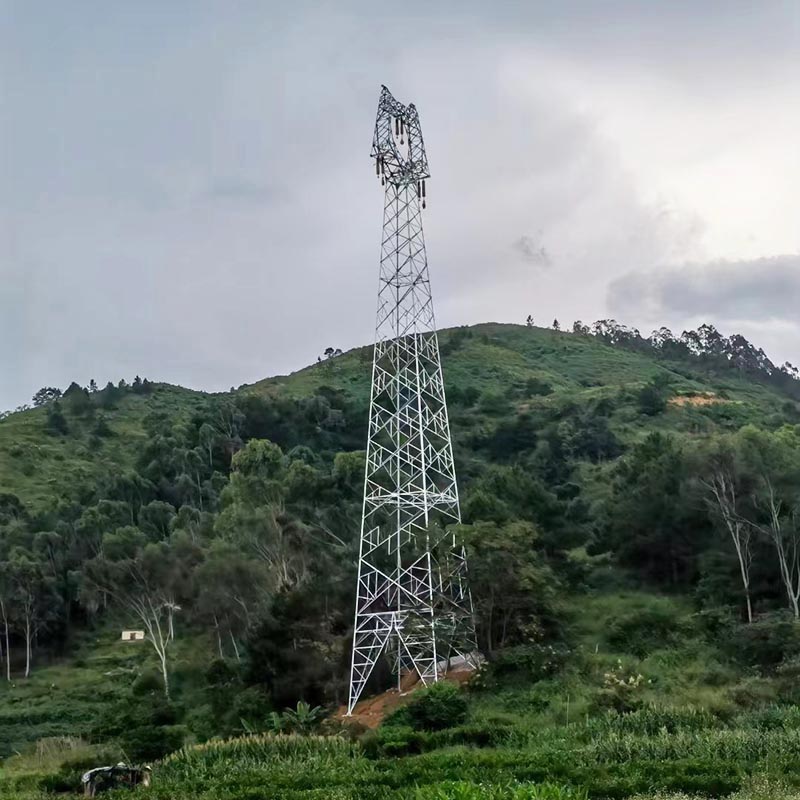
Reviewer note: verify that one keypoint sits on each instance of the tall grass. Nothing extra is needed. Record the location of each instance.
(255, 751)
(510, 791)
(738, 745)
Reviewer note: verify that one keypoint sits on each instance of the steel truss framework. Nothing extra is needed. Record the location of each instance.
(412, 599)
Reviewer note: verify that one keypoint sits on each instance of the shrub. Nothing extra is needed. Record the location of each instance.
(393, 740)
(536, 386)
(147, 743)
(765, 643)
(440, 706)
(251, 707)
(645, 629)
(529, 662)
(622, 689)
(147, 681)
(753, 692)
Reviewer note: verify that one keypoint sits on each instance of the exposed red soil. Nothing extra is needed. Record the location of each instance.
(705, 399)
(371, 711)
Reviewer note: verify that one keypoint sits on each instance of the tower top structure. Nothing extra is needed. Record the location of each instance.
(397, 146)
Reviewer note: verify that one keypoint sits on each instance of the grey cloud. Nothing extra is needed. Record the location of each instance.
(190, 197)
(246, 190)
(756, 290)
(532, 251)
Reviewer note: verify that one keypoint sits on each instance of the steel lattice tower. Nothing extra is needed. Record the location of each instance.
(412, 597)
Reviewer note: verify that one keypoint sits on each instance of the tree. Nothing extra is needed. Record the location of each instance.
(33, 600)
(513, 589)
(722, 476)
(109, 395)
(101, 427)
(529, 321)
(233, 588)
(56, 423)
(77, 400)
(47, 394)
(6, 592)
(579, 328)
(155, 519)
(148, 580)
(651, 398)
(651, 523)
(775, 459)
(781, 528)
(556, 326)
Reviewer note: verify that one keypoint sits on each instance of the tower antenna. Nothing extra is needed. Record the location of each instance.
(412, 598)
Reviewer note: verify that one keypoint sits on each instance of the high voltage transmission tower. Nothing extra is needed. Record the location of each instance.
(412, 600)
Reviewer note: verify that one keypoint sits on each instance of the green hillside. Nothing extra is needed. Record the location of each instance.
(489, 359)
(610, 603)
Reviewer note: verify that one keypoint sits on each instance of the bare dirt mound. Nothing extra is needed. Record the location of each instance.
(704, 399)
(371, 711)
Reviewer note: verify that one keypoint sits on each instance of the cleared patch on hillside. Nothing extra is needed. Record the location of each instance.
(701, 399)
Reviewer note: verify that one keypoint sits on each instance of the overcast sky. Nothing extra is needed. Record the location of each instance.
(186, 193)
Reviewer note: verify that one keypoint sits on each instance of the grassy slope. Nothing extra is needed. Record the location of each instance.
(38, 467)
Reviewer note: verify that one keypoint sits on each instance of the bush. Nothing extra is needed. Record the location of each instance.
(439, 706)
(393, 740)
(765, 643)
(528, 662)
(754, 692)
(147, 743)
(148, 681)
(536, 386)
(251, 707)
(68, 776)
(645, 629)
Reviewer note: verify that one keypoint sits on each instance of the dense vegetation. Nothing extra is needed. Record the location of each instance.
(629, 514)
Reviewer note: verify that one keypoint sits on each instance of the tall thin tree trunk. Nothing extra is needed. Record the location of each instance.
(7, 640)
(27, 645)
(8, 651)
(219, 637)
(164, 674)
(235, 646)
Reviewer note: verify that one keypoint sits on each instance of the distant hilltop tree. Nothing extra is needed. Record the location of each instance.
(579, 328)
(56, 424)
(78, 401)
(47, 394)
(556, 326)
(529, 321)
